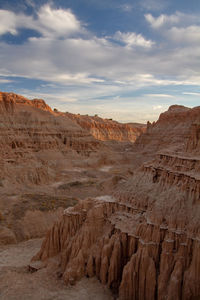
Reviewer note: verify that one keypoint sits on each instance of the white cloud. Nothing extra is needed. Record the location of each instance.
(93, 61)
(157, 107)
(58, 22)
(7, 22)
(191, 93)
(132, 39)
(2, 80)
(189, 34)
(162, 20)
(49, 22)
(159, 95)
(178, 19)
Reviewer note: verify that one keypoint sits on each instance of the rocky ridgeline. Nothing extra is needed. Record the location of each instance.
(107, 129)
(144, 242)
(10, 101)
(31, 124)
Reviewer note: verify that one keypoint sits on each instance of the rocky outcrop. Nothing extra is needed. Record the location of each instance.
(137, 253)
(107, 129)
(172, 131)
(10, 101)
(144, 241)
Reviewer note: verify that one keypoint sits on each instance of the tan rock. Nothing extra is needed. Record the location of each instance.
(144, 242)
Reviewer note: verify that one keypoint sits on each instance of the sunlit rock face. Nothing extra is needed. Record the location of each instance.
(107, 129)
(144, 241)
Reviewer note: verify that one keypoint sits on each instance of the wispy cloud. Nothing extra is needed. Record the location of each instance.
(191, 93)
(131, 39)
(154, 5)
(3, 80)
(159, 95)
(162, 20)
(179, 19)
(126, 7)
(157, 107)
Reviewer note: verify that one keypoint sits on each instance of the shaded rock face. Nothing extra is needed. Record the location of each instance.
(29, 128)
(107, 129)
(36, 127)
(173, 130)
(193, 143)
(144, 241)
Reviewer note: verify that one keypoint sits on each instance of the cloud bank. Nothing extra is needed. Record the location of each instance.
(65, 53)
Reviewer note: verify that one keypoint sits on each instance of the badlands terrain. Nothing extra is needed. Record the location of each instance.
(117, 205)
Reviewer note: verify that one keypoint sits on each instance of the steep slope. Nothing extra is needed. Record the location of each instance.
(171, 131)
(32, 136)
(144, 241)
(107, 129)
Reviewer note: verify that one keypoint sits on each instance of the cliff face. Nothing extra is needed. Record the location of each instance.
(144, 241)
(171, 131)
(107, 129)
(10, 101)
(29, 128)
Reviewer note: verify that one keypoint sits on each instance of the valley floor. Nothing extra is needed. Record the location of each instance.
(16, 282)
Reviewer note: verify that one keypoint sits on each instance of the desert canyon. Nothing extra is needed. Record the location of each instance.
(91, 208)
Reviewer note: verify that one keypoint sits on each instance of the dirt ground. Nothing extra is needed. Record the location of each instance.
(16, 282)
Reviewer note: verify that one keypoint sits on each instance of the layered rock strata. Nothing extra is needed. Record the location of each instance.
(175, 129)
(30, 132)
(182, 172)
(137, 253)
(108, 129)
(144, 242)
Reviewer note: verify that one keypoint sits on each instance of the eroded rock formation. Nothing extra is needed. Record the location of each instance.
(172, 130)
(108, 129)
(32, 137)
(144, 241)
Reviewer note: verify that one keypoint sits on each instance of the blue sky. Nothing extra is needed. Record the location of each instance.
(126, 60)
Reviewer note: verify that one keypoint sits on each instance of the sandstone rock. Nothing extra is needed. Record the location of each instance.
(144, 242)
(172, 131)
(30, 127)
(107, 129)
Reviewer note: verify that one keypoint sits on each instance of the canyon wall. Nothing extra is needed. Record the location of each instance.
(108, 129)
(144, 240)
(172, 130)
(32, 137)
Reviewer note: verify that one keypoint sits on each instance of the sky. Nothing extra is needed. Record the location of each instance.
(123, 59)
